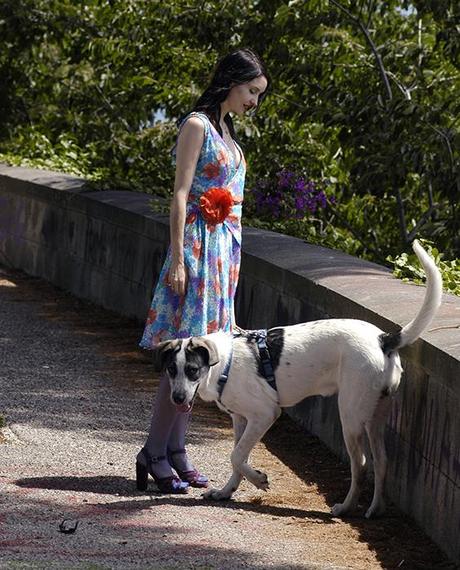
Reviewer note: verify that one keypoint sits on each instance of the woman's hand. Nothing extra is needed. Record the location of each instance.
(178, 277)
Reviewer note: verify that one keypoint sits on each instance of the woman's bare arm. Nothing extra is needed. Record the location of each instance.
(188, 150)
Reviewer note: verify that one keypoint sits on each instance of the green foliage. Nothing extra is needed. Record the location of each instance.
(64, 155)
(363, 96)
(408, 268)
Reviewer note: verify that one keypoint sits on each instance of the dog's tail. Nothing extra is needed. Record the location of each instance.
(411, 332)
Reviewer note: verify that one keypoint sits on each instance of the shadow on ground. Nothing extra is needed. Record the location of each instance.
(114, 535)
(395, 539)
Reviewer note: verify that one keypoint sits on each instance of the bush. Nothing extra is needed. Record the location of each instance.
(407, 267)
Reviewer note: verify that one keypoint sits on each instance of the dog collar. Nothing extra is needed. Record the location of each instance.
(224, 376)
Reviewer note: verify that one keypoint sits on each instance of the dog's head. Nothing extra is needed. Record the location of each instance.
(187, 363)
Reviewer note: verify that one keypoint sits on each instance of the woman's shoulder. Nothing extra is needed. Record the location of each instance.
(193, 131)
(196, 118)
(194, 121)
(192, 128)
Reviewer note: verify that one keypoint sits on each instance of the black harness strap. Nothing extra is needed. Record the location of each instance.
(265, 357)
(260, 338)
(224, 376)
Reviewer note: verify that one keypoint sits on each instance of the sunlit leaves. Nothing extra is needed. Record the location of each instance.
(88, 77)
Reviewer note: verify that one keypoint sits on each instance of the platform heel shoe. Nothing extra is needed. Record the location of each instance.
(193, 477)
(144, 468)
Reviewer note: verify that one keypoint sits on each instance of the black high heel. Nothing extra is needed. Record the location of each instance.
(142, 476)
(170, 484)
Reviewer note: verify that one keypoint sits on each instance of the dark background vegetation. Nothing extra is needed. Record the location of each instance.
(365, 102)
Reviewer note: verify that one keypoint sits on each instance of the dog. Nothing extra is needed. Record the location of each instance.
(350, 357)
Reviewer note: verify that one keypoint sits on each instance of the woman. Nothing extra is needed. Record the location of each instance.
(195, 291)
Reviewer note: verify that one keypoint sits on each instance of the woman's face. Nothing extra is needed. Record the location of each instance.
(245, 97)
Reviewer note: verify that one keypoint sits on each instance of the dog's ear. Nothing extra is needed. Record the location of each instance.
(163, 352)
(197, 342)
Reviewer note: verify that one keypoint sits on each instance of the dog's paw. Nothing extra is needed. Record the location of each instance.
(338, 510)
(216, 495)
(375, 510)
(260, 480)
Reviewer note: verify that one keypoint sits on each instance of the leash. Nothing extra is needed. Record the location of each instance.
(260, 338)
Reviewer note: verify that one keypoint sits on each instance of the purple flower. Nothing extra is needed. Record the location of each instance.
(322, 200)
(299, 186)
(284, 178)
(291, 195)
(299, 203)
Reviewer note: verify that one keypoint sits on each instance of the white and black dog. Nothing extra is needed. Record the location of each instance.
(350, 357)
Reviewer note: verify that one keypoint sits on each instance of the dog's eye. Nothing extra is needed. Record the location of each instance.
(192, 371)
(172, 369)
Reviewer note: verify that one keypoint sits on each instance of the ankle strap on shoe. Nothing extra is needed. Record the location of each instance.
(152, 458)
(157, 458)
(177, 452)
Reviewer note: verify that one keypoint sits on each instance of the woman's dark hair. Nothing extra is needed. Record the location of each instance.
(236, 68)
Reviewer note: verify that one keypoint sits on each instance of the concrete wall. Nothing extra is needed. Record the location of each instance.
(108, 247)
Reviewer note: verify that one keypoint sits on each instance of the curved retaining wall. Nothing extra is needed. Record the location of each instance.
(108, 247)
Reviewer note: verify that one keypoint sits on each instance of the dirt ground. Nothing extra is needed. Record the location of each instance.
(306, 479)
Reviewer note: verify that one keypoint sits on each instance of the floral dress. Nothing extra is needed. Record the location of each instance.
(212, 248)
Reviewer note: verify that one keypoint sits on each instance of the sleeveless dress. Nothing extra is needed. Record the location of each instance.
(212, 248)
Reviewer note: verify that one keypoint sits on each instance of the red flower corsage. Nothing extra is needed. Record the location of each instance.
(216, 204)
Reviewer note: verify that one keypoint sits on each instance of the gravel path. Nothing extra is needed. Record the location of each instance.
(76, 393)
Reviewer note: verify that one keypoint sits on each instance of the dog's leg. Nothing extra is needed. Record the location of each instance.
(239, 425)
(354, 444)
(376, 434)
(254, 431)
(353, 433)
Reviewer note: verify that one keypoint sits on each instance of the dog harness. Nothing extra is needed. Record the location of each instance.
(260, 338)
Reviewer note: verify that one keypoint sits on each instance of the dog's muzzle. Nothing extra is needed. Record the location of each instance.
(180, 403)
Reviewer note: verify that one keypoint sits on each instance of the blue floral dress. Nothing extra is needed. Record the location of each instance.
(212, 248)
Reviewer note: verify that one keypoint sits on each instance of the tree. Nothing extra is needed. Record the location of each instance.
(363, 96)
